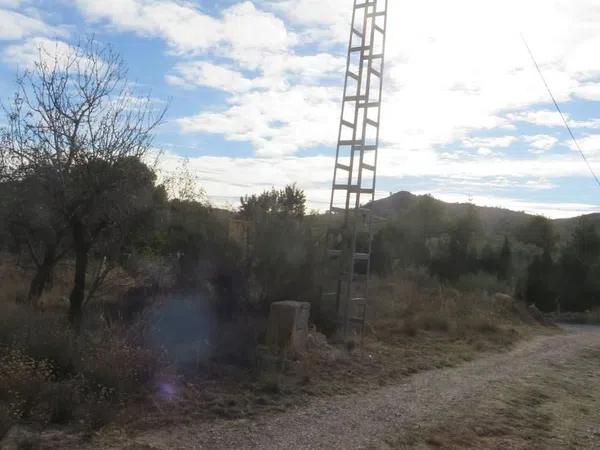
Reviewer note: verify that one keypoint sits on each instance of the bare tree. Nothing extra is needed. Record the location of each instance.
(74, 118)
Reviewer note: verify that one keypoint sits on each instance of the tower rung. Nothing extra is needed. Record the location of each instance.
(343, 167)
(352, 75)
(378, 28)
(353, 189)
(358, 33)
(364, 5)
(360, 48)
(372, 123)
(370, 105)
(365, 148)
(353, 98)
(376, 56)
(353, 143)
(376, 72)
(348, 124)
(377, 14)
(368, 167)
(361, 256)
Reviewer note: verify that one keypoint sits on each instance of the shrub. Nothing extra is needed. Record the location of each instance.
(22, 379)
(434, 321)
(482, 282)
(49, 337)
(59, 401)
(41, 336)
(50, 375)
(484, 325)
(118, 367)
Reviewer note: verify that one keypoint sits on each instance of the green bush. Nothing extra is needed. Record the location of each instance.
(482, 282)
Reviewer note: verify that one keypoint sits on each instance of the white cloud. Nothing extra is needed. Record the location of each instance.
(201, 73)
(397, 163)
(578, 61)
(449, 75)
(247, 28)
(541, 142)
(442, 84)
(226, 179)
(241, 29)
(590, 145)
(550, 118)
(322, 21)
(276, 122)
(589, 91)
(279, 71)
(25, 55)
(489, 142)
(15, 26)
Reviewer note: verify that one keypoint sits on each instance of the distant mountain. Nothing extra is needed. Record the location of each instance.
(496, 220)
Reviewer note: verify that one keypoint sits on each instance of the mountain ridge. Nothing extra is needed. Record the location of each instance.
(494, 218)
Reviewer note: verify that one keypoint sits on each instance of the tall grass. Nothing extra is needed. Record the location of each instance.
(403, 309)
(50, 375)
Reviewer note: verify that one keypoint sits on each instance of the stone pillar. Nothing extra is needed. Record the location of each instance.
(288, 326)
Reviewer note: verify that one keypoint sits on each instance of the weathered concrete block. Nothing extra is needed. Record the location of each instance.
(288, 326)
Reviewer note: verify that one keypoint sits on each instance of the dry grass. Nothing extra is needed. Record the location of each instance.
(410, 313)
(50, 376)
(110, 369)
(555, 409)
(422, 331)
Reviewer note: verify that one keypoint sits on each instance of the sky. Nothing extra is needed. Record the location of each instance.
(254, 91)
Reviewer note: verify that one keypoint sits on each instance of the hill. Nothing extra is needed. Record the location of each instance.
(495, 220)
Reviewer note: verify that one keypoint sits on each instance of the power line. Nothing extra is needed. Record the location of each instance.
(558, 108)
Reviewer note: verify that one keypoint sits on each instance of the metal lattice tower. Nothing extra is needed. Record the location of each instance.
(355, 172)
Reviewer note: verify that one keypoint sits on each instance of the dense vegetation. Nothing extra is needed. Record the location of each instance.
(550, 264)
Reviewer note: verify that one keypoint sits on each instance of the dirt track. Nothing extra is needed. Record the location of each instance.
(370, 420)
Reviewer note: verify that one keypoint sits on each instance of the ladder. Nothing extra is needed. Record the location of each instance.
(355, 172)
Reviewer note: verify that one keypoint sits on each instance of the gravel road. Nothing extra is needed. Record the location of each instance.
(365, 420)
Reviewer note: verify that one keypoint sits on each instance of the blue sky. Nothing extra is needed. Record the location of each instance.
(254, 91)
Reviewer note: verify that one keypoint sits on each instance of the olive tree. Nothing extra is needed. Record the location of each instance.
(73, 121)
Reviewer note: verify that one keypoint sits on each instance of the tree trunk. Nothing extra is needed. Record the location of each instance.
(81, 260)
(43, 275)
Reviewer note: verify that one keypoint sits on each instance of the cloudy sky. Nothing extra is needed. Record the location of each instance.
(254, 89)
